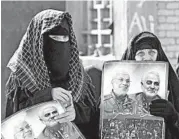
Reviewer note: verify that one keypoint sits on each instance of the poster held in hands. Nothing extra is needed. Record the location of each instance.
(38, 122)
(128, 87)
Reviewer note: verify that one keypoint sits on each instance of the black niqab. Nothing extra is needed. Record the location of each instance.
(55, 53)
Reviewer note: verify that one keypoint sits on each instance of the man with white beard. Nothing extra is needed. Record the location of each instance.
(150, 85)
(53, 129)
(23, 131)
(118, 101)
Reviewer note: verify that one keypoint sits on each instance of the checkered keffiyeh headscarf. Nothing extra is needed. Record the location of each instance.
(29, 70)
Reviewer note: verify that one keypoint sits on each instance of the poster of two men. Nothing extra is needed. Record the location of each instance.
(128, 89)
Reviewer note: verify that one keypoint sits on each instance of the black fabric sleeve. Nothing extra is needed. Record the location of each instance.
(174, 128)
(83, 113)
(17, 100)
(11, 105)
(88, 117)
(87, 120)
(42, 96)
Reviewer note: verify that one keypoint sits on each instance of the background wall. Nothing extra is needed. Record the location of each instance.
(141, 16)
(168, 28)
(15, 17)
(77, 14)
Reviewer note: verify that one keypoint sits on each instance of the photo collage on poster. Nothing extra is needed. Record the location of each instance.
(38, 122)
(128, 88)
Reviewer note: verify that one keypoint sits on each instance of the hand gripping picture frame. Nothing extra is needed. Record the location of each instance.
(128, 88)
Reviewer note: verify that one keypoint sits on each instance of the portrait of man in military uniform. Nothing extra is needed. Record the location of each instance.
(150, 85)
(118, 101)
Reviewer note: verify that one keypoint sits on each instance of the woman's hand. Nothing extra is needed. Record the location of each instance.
(65, 98)
(165, 109)
(69, 115)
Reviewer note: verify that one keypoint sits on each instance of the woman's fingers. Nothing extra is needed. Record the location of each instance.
(62, 90)
(63, 115)
(65, 97)
(66, 117)
(61, 94)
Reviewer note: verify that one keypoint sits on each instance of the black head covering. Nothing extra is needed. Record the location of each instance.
(144, 40)
(152, 40)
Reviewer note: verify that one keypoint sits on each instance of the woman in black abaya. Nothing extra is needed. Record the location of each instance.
(147, 47)
(46, 67)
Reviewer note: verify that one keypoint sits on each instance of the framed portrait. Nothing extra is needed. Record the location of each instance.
(128, 88)
(38, 122)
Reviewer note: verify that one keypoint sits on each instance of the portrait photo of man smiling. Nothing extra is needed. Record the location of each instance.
(150, 85)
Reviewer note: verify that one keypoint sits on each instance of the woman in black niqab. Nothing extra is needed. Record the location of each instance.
(44, 62)
(169, 110)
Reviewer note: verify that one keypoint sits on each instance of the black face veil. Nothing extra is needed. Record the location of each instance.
(57, 55)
